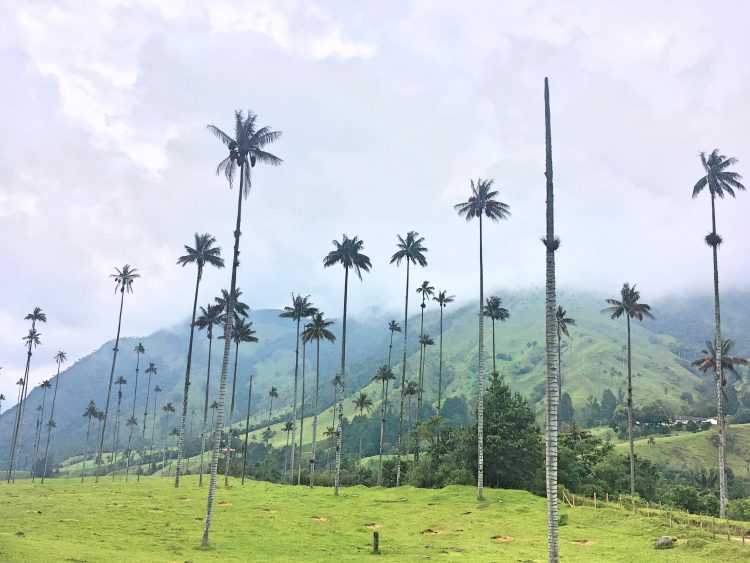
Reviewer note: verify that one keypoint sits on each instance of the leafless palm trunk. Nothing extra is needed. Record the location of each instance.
(630, 415)
(420, 381)
(315, 413)
(480, 376)
(86, 450)
(294, 410)
(382, 432)
(143, 433)
(49, 427)
(231, 413)
(403, 380)
(337, 478)
(135, 397)
(247, 429)
(205, 412)
(301, 417)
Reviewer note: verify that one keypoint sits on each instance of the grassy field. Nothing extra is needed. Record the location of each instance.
(153, 521)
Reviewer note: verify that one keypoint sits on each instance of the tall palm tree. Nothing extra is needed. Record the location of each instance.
(393, 326)
(139, 349)
(301, 309)
(131, 423)
(629, 306)
(362, 402)
(239, 308)
(336, 382)
(157, 390)
(167, 410)
(213, 407)
(247, 428)
(412, 251)
(44, 385)
(348, 253)
(174, 433)
(123, 282)
(204, 253)
(245, 149)
(2, 398)
(116, 434)
(562, 322)
(209, 317)
(90, 412)
(427, 291)
(424, 341)
(330, 433)
(32, 340)
(551, 244)
(482, 202)
(443, 299)
(242, 331)
(383, 376)
(273, 393)
(494, 309)
(316, 330)
(60, 357)
(719, 180)
(151, 370)
(410, 390)
(288, 428)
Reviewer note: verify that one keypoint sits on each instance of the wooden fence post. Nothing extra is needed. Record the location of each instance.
(594, 499)
(375, 542)
(606, 499)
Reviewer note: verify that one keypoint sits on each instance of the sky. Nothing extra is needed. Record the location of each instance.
(387, 109)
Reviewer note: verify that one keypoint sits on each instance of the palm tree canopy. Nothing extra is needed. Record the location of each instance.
(151, 369)
(384, 375)
(288, 426)
(301, 308)
(21, 382)
(411, 388)
(36, 316)
(121, 381)
(410, 249)
(494, 310)
(157, 389)
(32, 338)
(60, 357)
(240, 309)
(348, 253)
(132, 421)
(209, 317)
(139, 349)
(628, 305)
(214, 405)
(169, 407)
(204, 253)
(274, 393)
(90, 411)
(124, 278)
(336, 380)
(362, 402)
(242, 331)
(51, 424)
(728, 362)
(426, 290)
(2, 397)
(426, 340)
(443, 298)
(563, 322)
(482, 201)
(393, 326)
(245, 148)
(718, 178)
(45, 384)
(317, 329)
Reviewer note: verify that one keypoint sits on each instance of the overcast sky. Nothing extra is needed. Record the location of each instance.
(387, 109)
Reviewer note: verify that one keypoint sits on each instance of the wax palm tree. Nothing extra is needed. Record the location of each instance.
(204, 253)
(174, 434)
(245, 149)
(427, 292)
(209, 317)
(139, 349)
(151, 370)
(562, 323)
(393, 326)
(90, 412)
(629, 307)
(167, 410)
(32, 341)
(410, 390)
(130, 423)
(424, 341)
(443, 299)
(383, 376)
(60, 357)
(273, 393)
(213, 407)
(316, 330)
(494, 310)
(719, 180)
(2, 398)
(116, 434)
(728, 362)
(348, 253)
(124, 283)
(331, 434)
(157, 390)
(44, 385)
(301, 309)
(482, 202)
(239, 308)
(412, 251)
(288, 428)
(247, 428)
(362, 403)
(336, 382)
(242, 331)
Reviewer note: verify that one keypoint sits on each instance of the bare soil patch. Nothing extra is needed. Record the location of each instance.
(225, 504)
(504, 539)
(431, 532)
(373, 526)
(269, 510)
(318, 518)
(583, 542)
(185, 499)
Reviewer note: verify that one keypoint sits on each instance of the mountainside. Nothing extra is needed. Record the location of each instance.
(594, 359)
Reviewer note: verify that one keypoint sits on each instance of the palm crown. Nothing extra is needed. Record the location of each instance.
(32, 339)
(482, 202)
(240, 309)
(494, 310)
(139, 349)
(301, 308)
(245, 148)
(242, 331)
(443, 298)
(151, 369)
(209, 317)
(384, 374)
(348, 253)
(204, 253)
(274, 393)
(60, 357)
(728, 362)
(124, 278)
(563, 322)
(426, 290)
(410, 249)
(36, 316)
(628, 305)
(426, 340)
(393, 326)
(317, 329)
(362, 402)
(718, 178)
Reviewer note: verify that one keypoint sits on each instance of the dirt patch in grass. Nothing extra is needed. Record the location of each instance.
(583, 542)
(503, 539)
(269, 510)
(156, 510)
(431, 532)
(373, 526)
(225, 504)
(185, 499)
(318, 519)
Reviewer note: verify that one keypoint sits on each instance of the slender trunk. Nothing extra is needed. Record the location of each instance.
(630, 415)
(494, 356)
(186, 390)
(224, 364)
(723, 496)
(109, 389)
(86, 450)
(294, 410)
(480, 377)
(315, 413)
(337, 478)
(247, 429)
(38, 437)
(286, 457)
(153, 426)
(49, 427)
(420, 381)
(115, 437)
(19, 416)
(205, 409)
(132, 416)
(552, 381)
(440, 365)
(559, 360)
(231, 413)
(382, 432)
(143, 434)
(301, 417)
(403, 380)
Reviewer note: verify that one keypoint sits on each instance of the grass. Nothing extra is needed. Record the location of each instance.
(152, 521)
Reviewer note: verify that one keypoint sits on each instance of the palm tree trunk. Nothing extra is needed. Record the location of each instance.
(205, 412)
(420, 381)
(143, 434)
(337, 478)
(301, 417)
(403, 380)
(49, 428)
(480, 377)
(553, 391)
(186, 390)
(630, 415)
(315, 412)
(294, 411)
(231, 413)
(286, 457)
(109, 389)
(135, 397)
(247, 429)
(224, 364)
(153, 426)
(559, 360)
(382, 433)
(86, 450)
(440, 365)
(115, 436)
(723, 496)
(494, 356)
(19, 417)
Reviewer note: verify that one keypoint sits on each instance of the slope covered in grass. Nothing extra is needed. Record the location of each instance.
(153, 521)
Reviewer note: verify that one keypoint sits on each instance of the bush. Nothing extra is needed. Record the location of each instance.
(739, 509)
